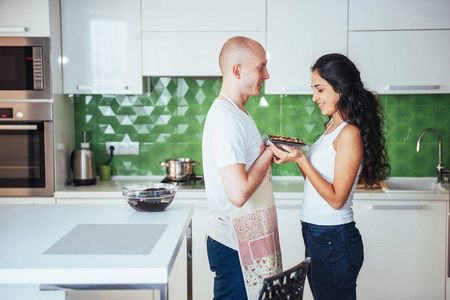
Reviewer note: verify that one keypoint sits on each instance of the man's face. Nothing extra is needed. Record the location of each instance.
(254, 72)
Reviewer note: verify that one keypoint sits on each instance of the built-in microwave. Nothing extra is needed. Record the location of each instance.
(25, 68)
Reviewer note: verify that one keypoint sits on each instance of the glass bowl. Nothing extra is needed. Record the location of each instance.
(149, 197)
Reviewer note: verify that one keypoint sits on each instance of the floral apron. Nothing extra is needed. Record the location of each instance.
(256, 228)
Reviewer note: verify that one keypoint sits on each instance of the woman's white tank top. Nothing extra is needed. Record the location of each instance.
(315, 209)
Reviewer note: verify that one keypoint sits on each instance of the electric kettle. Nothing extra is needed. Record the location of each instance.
(82, 163)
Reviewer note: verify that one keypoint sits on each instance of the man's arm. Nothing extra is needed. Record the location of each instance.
(240, 185)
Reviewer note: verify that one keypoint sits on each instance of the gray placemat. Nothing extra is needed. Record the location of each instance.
(109, 239)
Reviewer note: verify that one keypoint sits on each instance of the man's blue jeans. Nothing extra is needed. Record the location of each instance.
(229, 281)
(336, 257)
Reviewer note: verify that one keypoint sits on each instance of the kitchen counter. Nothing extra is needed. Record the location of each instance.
(284, 188)
(45, 245)
(412, 210)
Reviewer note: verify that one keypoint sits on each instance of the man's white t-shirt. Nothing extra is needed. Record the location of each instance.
(230, 137)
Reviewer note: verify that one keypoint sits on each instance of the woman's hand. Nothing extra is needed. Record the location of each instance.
(287, 154)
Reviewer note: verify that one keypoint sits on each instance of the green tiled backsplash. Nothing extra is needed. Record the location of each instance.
(168, 123)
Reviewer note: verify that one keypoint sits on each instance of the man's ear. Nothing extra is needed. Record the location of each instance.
(237, 71)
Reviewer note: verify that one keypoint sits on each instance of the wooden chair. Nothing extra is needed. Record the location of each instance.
(286, 285)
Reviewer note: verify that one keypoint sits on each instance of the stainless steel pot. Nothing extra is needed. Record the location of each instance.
(179, 168)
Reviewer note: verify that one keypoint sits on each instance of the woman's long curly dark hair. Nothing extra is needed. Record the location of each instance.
(359, 107)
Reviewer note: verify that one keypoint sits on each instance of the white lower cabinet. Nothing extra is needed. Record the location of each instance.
(203, 278)
(404, 247)
(291, 240)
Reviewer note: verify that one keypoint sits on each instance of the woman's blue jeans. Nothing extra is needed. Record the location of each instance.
(336, 257)
(229, 281)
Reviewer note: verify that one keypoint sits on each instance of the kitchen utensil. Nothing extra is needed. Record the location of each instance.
(179, 168)
(82, 163)
(149, 197)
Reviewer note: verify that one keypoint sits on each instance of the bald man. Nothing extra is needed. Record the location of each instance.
(235, 161)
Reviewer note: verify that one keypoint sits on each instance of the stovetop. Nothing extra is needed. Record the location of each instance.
(191, 182)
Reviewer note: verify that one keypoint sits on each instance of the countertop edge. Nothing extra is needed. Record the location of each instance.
(285, 188)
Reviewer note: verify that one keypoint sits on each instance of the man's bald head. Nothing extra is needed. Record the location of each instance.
(237, 50)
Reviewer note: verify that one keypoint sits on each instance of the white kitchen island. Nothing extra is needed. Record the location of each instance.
(90, 247)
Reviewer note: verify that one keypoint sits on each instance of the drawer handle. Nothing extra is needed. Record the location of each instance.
(13, 29)
(393, 207)
(412, 87)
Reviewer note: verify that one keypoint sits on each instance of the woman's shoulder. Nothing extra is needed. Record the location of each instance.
(350, 134)
(351, 129)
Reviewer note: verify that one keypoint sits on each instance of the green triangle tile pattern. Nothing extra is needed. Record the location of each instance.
(407, 117)
(168, 123)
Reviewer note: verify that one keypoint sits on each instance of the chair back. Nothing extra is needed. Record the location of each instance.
(286, 285)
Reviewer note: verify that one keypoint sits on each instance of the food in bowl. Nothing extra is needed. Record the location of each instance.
(280, 140)
(149, 197)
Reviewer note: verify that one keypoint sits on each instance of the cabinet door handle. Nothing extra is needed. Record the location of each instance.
(91, 87)
(13, 29)
(400, 206)
(412, 87)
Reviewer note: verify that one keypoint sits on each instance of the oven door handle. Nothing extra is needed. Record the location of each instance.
(18, 127)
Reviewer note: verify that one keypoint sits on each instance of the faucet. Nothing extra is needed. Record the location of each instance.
(440, 167)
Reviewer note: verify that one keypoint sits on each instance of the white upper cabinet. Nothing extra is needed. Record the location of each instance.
(399, 14)
(186, 53)
(24, 18)
(298, 33)
(401, 46)
(184, 38)
(399, 62)
(101, 46)
(203, 15)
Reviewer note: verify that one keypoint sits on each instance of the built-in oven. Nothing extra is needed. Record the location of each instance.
(26, 149)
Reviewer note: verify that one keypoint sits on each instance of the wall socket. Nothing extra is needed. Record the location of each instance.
(123, 148)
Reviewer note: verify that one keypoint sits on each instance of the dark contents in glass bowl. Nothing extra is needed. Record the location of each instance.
(140, 205)
(149, 197)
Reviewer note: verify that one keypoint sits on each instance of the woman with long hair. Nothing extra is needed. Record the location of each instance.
(352, 146)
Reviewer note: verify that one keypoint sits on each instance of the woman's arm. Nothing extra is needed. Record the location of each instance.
(349, 151)
(240, 185)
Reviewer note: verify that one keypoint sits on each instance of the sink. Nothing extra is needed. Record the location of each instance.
(414, 184)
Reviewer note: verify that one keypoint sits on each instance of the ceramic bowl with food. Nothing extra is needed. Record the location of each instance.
(149, 197)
